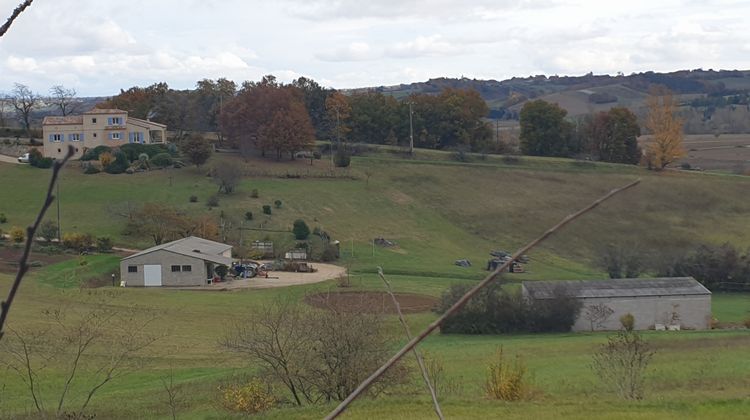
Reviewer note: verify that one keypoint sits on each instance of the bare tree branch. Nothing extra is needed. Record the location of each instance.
(465, 298)
(17, 11)
(417, 354)
(23, 266)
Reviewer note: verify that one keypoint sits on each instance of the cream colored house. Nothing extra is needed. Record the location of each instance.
(98, 127)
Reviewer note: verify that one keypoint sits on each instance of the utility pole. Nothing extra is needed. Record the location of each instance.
(411, 130)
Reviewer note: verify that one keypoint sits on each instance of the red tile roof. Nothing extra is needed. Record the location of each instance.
(69, 119)
(106, 111)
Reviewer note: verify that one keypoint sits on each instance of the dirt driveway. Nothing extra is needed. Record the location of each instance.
(9, 159)
(277, 279)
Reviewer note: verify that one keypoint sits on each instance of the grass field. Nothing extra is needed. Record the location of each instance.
(437, 211)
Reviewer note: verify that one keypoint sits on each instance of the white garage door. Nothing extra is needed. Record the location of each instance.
(152, 275)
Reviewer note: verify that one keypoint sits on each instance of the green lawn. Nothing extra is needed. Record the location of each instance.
(437, 211)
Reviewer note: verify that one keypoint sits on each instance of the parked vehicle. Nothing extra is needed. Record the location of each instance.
(24, 158)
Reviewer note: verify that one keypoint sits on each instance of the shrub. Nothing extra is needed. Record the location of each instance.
(105, 159)
(143, 159)
(505, 380)
(343, 158)
(628, 322)
(90, 169)
(213, 201)
(277, 204)
(494, 310)
(17, 234)
(248, 215)
(330, 253)
(162, 160)
(119, 165)
(300, 230)
(266, 209)
(249, 398)
(77, 241)
(48, 230)
(193, 198)
(460, 155)
(254, 193)
(104, 244)
(317, 155)
(3, 218)
(93, 154)
(719, 268)
(746, 322)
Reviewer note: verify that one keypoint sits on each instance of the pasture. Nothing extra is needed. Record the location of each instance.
(436, 210)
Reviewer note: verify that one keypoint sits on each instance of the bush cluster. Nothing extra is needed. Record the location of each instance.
(77, 241)
(494, 311)
(38, 161)
(719, 268)
(249, 398)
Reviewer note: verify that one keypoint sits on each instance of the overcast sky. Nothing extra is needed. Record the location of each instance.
(100, 46)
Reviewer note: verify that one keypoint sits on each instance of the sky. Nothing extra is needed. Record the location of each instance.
(101, 46)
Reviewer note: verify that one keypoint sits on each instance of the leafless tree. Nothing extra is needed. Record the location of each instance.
(597, 314)
(174, 394)
(16, 12)
(227, 176)
(317, 355)
(621, 363)
(24, 100)
(3, 103)
(65, 99)
(101, 342)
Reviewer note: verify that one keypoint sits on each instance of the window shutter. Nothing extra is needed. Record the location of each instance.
(70, 137)
(130, 137)
(81, 136)
(110, 136)
(109, 121)
(51, 137)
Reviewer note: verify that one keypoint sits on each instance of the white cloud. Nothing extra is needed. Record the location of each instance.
(99, 47)
(433, 46)
(355, 51)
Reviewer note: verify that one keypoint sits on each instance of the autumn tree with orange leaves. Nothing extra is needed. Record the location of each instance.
(666, 129)
(268, 116)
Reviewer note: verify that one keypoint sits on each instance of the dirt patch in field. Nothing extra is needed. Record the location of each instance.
(9, 259)
(371, 302)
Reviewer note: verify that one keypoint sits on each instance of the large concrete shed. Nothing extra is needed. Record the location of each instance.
(189, 261)
(670, 302)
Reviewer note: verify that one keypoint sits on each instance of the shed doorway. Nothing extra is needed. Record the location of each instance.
(152, 275)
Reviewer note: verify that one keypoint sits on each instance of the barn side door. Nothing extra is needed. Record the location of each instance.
(152, 275)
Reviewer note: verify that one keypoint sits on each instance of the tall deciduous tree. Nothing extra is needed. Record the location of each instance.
(613, 136)
(544, 131)
(267, 116)
(315, 97)
(666, 129)
(24, 100)
(338, 110)
(64, 99)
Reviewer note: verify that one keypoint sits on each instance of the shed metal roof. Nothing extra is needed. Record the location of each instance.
(192, 246)
(664, 286)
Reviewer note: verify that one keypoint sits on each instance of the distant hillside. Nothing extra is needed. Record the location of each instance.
(713, 101)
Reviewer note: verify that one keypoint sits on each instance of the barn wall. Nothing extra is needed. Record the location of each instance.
(693, 312)
(196, 277)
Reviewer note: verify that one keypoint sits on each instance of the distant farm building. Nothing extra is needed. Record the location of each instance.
(660, 303)
(189, 261)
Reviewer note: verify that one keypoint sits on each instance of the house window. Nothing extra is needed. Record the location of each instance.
(175, 268)
(132, 269)
(59, 150)
(56, 137)
(115, 136)
(93, 121)
(115, 121)
(74, 137)
(187, 268)
(94, 134)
